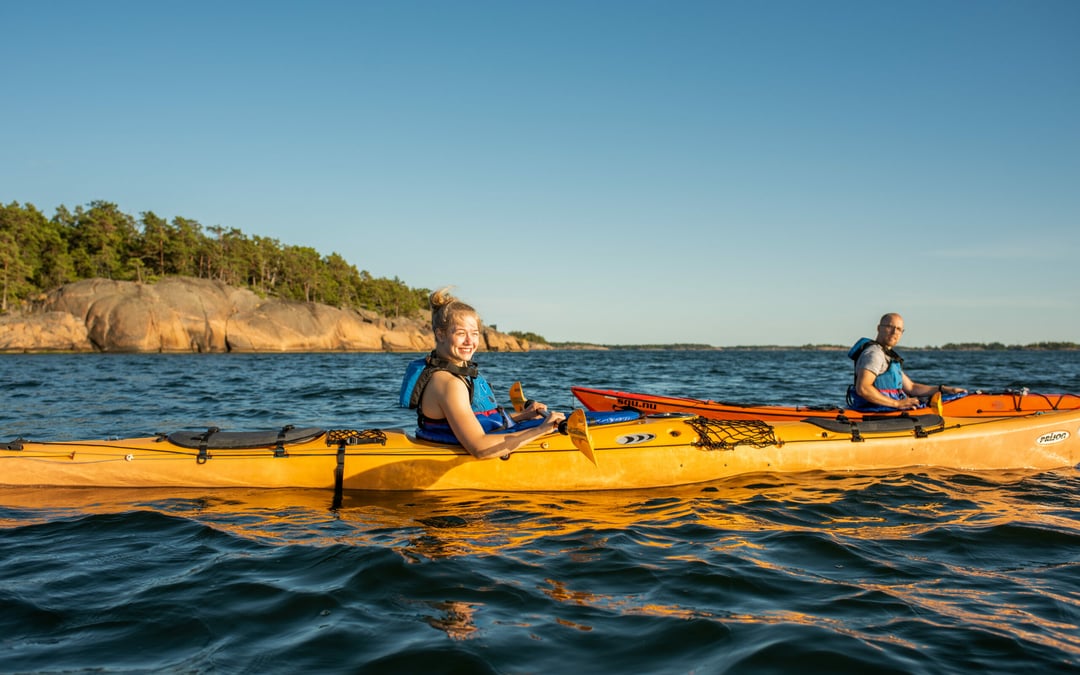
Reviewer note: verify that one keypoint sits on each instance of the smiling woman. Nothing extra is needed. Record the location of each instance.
(453, 402)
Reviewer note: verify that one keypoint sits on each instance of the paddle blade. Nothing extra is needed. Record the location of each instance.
(578, 429)
(517, 397)
(935, 403)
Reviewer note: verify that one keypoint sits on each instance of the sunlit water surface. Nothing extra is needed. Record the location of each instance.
(902, 571)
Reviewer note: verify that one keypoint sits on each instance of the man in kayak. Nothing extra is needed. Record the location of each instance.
(880, 380)
(453, 402)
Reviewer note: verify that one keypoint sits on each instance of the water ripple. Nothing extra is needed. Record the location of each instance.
(903, 572)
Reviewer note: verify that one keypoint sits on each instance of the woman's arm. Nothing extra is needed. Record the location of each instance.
(533, 410)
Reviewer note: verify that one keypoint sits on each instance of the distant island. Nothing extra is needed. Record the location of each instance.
(951, 346)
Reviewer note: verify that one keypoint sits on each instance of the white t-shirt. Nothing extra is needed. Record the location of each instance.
(873, 359)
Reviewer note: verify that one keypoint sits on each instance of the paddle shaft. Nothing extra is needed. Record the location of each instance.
(575, 426)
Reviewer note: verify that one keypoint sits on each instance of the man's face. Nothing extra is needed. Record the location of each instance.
(890, 330)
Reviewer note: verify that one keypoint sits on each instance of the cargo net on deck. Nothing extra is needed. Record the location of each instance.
(354, 437)
(726, 434)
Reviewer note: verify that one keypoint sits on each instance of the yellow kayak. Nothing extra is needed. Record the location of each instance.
(647, 452)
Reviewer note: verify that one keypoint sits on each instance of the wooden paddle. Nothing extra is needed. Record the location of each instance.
(575, 426)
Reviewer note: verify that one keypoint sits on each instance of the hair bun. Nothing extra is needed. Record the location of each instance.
(441, 298)
(445, 307)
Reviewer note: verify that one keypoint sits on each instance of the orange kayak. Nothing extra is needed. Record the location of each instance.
(1004, 404)
(633, 452)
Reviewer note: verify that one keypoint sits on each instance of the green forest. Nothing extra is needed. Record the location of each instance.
(39, 254)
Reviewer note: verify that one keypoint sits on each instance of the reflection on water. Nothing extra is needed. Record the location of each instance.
(880, 559)
(871, 506)
(455, 618)
(917, 572)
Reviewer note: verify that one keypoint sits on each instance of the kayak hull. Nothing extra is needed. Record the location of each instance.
(654, 451)
(1006, 404)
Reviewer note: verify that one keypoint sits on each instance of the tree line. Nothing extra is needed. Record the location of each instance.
(39, 254)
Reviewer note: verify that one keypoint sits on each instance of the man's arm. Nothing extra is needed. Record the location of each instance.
(864, 386)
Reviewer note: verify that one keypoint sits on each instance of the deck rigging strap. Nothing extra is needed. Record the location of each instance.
(726, 434)
(16, 444)
(919, 425)
(342, 438)
(339, 477)
(204, 441)
(282, 437)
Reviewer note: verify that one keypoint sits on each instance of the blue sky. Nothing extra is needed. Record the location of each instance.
(625, 172)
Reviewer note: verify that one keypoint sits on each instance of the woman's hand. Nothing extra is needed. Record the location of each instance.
(535, 409)
(552, 420)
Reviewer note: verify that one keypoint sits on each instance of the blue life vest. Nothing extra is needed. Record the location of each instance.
(890, 382)
(482, 398)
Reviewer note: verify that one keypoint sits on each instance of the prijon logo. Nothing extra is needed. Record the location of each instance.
(633, 439)
(1052, 437)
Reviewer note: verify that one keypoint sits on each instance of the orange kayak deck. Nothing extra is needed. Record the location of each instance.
(1004, 404)
(652, 451)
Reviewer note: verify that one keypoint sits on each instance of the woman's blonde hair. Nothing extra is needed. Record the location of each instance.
(445, 308)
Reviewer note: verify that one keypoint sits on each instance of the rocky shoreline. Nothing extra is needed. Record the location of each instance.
(189, 315)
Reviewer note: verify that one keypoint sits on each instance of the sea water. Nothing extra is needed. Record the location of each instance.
(905, 571)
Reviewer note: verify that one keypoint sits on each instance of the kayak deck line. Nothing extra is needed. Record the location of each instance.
(645, 452)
